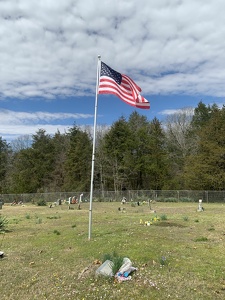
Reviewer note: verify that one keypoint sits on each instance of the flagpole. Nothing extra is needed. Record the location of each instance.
(93, 151)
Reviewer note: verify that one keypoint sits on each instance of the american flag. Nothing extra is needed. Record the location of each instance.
(112, 82)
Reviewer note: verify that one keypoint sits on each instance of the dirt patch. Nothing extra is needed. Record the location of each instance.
(170, 224)
(89, 270)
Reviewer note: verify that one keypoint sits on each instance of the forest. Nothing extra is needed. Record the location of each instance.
(184, 152)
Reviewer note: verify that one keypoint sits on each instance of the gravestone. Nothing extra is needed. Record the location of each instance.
(200, 208)
(105, 268)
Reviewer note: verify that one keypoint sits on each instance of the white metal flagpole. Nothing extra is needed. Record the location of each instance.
(93, 152)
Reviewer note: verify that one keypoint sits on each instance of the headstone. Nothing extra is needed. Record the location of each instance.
(80, 199)
(200, 208)
(105, 268)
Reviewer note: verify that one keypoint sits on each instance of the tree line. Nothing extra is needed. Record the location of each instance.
(186, 151)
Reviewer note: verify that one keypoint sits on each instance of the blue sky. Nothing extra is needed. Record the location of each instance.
(174, 50)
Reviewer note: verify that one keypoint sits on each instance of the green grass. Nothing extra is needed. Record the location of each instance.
(48, 254)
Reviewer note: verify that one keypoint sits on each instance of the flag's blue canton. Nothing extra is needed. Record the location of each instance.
(107, 71)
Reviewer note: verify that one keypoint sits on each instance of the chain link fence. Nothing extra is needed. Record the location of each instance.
(109, 196)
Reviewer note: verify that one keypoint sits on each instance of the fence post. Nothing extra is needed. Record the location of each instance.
(207, 196)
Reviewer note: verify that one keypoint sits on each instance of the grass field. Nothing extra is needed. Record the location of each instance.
(47, 254)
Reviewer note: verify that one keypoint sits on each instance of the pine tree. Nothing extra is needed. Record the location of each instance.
(5, 151)
(78, 161)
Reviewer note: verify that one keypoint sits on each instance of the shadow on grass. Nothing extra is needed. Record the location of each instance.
(5, 231)
(169, 224)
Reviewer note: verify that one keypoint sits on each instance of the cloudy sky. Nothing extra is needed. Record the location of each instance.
(173, 49)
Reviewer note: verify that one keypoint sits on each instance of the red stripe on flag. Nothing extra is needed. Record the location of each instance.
(128, 90)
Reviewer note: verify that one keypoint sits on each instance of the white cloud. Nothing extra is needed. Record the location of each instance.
(12, 123)
(20, 117)
(49, 48)
(167, 112)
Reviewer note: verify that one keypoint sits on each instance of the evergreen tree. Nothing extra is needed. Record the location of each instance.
(43, 150)
(205, 169)
(61, 144)
(138, 157)
(202, 115)
(22, 176)
(117, 142)
(157, 162)
(4, 162)
(101, 165)
(148, 160)
(32, 167)
(78, 161)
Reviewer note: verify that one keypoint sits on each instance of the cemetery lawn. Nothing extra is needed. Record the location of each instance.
(47, 254)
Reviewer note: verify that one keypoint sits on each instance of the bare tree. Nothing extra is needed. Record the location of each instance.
(22, 142)
(177, 127)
